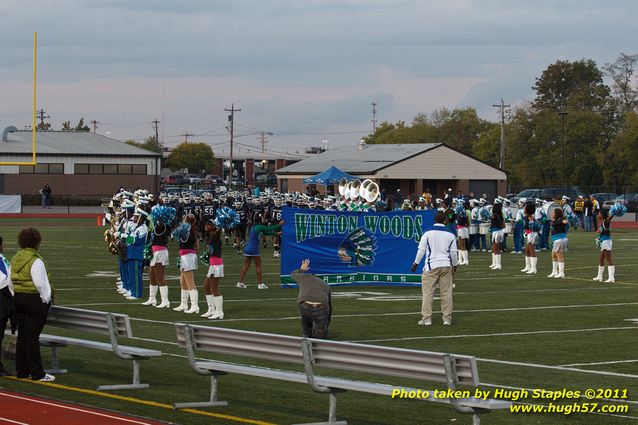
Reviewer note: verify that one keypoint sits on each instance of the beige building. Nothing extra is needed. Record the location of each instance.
(412, 168)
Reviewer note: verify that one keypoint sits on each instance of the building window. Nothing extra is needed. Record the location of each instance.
(42, 169)
(139, 169)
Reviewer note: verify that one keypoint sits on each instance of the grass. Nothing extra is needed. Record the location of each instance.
(521, 328)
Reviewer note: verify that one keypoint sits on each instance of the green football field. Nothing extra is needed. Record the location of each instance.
(527, 332)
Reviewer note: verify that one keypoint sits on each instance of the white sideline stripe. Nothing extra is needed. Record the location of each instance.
(270, 319)
(13, 422)
(412, 338)
(613, 400)
(599, 363)
(74, 408)
(567, 369)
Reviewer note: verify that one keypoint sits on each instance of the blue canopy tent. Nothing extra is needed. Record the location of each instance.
(329, 177)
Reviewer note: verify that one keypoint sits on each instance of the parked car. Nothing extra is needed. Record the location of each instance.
(212, 179)
(604, 197)
(266, 179)
(548, 193)
(173, 179)
(630, 200)
(192, 178)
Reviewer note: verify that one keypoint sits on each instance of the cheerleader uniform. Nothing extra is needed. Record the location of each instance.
(559, 244)
(497, 229)
(531, 237)
(159, 246)
(605, 245)
(187, 253)
(256, 234)
(215, 270)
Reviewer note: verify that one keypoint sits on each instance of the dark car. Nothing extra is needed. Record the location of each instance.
(548, 194)
(269, 180)
(213, 179)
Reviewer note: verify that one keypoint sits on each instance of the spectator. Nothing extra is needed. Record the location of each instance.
(45, 193)
(6, 300)
(383, 194)
(587, 214)
(314, 302)
(32, 301)
(595, 210)
(397, 198)
(438, 244)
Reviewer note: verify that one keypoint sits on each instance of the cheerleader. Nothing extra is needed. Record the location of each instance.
(214, 298)
(251, 251)
(156, 272)
(463, 233)
(497, 229)
(188, 263)
(559, 228)
(530, 230)
(604, 238)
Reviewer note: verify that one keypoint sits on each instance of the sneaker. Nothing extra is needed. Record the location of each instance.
(47, 378)
(447, 322)
(262, 286)
(241, 285)
(424, 322)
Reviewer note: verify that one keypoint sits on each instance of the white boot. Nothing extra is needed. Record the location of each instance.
(611, 270)
(152, 296)
(493, 265)
(532, 265)
(211, 306)
(554, 269)
(194, 302)
(163, 290)
(599, 277)
(527, 264)
(561, 271)
(219, 307)
(467, 257)
(498, 266)
(184, 304)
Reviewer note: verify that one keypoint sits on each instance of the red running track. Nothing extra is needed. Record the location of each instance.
(22, 409)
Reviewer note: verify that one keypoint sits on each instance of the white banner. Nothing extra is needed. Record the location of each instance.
(10, 204)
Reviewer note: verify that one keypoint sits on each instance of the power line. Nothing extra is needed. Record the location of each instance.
(502, 107)
(42, 117)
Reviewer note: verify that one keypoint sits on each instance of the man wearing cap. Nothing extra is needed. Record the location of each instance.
(579, 209)
(135, 242)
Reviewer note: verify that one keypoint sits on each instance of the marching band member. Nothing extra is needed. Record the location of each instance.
(541, 217)
(475, 221)
(519, 223)
(135, 242)
(484, 224)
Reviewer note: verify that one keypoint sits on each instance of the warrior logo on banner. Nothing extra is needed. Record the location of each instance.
(352, 248)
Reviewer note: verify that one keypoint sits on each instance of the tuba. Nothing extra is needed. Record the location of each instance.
(343, 183)
(355, 185)
(371, 192)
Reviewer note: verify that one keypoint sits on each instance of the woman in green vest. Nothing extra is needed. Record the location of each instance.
(32, 301)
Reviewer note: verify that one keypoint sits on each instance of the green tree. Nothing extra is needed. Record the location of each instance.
(619, 164)
(194, 156)
(150, 144)
(488, 146)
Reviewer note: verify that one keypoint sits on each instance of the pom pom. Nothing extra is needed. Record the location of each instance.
(618, 210)
(535, 226)
(459, 210)
(148, 253)
(182, 231)
(484, 213)
(226, 218)
(164, 215)
(203, 257)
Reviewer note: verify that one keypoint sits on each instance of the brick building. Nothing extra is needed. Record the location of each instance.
(80, 164)
(412, 168)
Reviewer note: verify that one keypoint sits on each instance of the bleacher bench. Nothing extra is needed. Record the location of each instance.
(95, 322)
(450, 369)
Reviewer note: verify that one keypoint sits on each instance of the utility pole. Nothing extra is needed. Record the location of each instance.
(263, 140)
(501, 107)
(231, 118)
(374, 118)
(155, 126)
(42, 117)
(186, 136)
(95, 123)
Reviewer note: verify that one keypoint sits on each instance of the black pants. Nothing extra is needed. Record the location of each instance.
(314, 320)
(32, 315)
(6, 312)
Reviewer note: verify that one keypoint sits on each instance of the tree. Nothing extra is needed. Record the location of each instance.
(194, 156)
(619, 161)
(150, 144)
(622, 74)
(66, 126)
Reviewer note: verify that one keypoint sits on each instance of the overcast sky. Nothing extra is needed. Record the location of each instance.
(305, 70)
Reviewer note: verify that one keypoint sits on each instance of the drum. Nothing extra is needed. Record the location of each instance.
(473, 229)
(484, 228)
(508, 227)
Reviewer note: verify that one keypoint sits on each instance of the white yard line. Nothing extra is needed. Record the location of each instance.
(567, 369)
(599, 363)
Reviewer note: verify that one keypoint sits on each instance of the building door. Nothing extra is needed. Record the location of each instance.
(2, 184)
(284, 185)
(480, 187)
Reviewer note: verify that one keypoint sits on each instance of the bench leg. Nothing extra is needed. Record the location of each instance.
(134, 386)
(214, 402)
(332, 414)
(55, 368)
(476, 419)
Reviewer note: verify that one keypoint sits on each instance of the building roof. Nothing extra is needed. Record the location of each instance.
(75, 143)
(354, 161)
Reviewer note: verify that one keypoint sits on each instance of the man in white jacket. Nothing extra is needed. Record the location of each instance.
(438, 245)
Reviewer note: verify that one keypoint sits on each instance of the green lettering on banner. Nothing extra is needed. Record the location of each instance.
(371, 222)
(384, 225)
(320, 226)
(353, 223)
(301, 226)
(395, 226)
(418, 228)
(342, 224)
(331, 224)
(408, 227)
